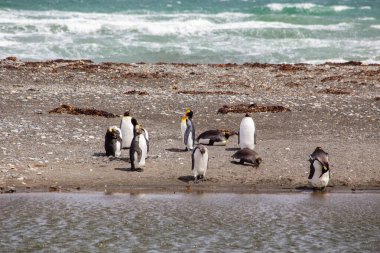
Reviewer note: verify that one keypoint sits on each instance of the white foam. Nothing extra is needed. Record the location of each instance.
(280, 6)
(375, 26)
(339, 8)
(365, 8)
(367, 18)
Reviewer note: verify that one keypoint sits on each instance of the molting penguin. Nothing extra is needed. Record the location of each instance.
(319, 169)
(188, 130)
(146, 135)
(139, 148)
(247, 155)
(199, 159)
(215, 137)
(247, 133)
(113, 140)
(126, 127)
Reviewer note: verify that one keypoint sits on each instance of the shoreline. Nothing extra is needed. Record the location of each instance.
(333, 105)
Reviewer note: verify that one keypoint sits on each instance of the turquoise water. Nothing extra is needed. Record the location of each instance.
(203, 31)
(302, 222)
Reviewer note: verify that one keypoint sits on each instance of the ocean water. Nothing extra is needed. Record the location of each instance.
(302, 222)
(193, 31)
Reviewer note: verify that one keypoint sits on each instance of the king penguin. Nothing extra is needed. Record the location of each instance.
(247, 155)
(247, 133)
(112, 143)
(139, 148)
(126, 127)
(215, 137)
(199, 163)
(188, 130)
(319, 169)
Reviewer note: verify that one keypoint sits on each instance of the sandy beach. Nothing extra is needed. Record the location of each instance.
(334, 106)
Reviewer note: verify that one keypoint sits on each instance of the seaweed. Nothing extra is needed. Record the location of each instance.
(252, 108)
(70, 109)
(194, 92)
(336, 91)
(134, 92)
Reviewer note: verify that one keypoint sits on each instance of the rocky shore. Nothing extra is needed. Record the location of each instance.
(334, 106)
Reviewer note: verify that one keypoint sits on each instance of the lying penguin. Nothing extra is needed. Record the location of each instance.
(247, 155)
(199, 163)
(319, 169)
(215, 137)
(112, 142)
(139, 148)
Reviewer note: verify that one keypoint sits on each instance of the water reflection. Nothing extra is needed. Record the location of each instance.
(140, 222)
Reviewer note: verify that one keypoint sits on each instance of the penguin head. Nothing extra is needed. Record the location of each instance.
(138, 129)
(189, 113)
(126, 114)
(229, 133)
(259, 160)
(247, 115)
(318, 152)
(202, 149)
(134, 122)
(116, 131)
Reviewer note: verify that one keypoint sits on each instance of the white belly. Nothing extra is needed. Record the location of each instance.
(236, 160)
(247, 133)
(183, 130)
(220, 143)
(204, 141)
(190, 142)
(200, 163)
(316, 180)
(144, 149)
(118, 149)
(126, 132)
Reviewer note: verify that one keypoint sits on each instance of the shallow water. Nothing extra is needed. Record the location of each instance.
(302, 222)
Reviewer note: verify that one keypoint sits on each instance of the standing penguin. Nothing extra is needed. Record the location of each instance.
(188, 130)
(126, 127)
(319, 169)
(247, 133)
(199, 159)
(113, 140)
(139, 148)
(215, 137)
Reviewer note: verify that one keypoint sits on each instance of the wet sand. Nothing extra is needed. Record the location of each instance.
(334, 106)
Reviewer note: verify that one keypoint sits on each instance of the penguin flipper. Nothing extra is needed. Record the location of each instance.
(131, 154)
(147, 146)
(192, 132)
(239, 137)
(312, 171)
(139, 153)
(187, 133)
(192, 158)
(255, 137)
